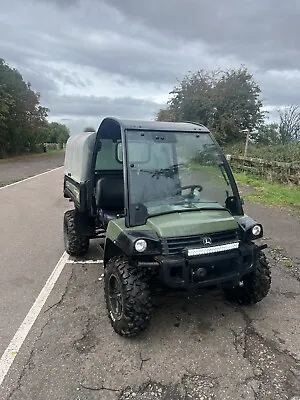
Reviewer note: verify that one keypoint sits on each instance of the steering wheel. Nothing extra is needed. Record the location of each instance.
(193, 188)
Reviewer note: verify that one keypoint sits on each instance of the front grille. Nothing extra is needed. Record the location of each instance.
(178, 244)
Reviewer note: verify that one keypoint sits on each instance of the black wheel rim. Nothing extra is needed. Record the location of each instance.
(115, 296)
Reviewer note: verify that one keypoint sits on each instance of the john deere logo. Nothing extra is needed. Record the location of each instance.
(207, 241)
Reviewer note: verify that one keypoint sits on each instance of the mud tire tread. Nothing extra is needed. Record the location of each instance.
(75, 244)
(137, 305)
(256, 285)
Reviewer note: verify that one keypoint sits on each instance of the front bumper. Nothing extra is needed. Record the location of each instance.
(188, 272)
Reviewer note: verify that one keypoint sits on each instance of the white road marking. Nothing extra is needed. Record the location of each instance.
(70, 261)
(21, 334)
(31, 177)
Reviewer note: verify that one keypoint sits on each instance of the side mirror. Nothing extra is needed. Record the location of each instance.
(139, 152)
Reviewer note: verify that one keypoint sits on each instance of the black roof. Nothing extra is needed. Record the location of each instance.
(160, 125)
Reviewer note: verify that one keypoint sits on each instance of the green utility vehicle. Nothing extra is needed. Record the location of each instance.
(164, 198)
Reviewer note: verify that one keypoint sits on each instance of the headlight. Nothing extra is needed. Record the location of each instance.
(256, 230)
(140, 245)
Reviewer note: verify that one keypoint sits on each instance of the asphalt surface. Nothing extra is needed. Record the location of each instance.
(195, 348)
(16, 170)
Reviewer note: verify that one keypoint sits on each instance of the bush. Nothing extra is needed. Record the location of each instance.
(289, 153)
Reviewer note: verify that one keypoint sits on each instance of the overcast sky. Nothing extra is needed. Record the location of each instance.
(94, 58)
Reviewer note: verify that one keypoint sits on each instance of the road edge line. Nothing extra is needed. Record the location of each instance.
(30, 177)
(13, 348)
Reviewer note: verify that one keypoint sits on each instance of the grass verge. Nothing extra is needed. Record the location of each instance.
(8, 183)
(33, 155)
(269, 192)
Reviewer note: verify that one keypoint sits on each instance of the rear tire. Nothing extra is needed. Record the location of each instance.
(127, 297)
(256, 285)
(75, 244)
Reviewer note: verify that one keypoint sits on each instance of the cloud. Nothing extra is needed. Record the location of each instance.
(122, 58)
(258, 31)
(92, 106)
(77, 112)
(281, 87)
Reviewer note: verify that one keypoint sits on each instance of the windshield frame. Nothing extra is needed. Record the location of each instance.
(137, 214)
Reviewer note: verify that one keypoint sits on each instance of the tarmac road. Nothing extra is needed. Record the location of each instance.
(16, 170)
(198, 348)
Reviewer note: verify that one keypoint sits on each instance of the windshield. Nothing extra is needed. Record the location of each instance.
(175, 171)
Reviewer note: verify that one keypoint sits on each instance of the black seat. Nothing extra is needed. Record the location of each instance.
(110, 197)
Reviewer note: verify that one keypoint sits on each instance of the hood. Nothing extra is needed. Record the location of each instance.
(192, 223)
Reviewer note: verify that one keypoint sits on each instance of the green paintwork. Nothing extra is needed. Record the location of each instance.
(192, 223)
(180, 224)
(116, 226)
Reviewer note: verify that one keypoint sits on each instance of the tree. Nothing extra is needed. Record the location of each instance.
(165, 115)
(89, 129)
(6, 103)
(23, 121)
(267, 134)
(57, 133)
(227, 102)
(238, 106)
(54, 132)
(192, 100)
(289, 126)
(20, 112)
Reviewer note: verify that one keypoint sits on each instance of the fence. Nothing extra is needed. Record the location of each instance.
(271, 170)
(52, 146)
